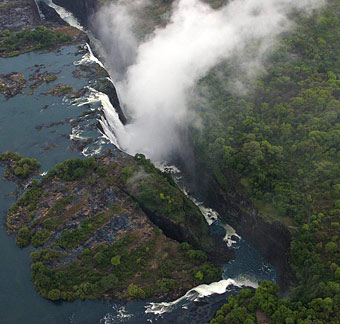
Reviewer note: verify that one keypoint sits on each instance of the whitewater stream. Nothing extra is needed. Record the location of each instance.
(53, 129)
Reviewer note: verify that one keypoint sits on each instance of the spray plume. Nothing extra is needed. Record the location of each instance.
(160, 72)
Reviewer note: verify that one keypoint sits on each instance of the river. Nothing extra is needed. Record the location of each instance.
(44, 127)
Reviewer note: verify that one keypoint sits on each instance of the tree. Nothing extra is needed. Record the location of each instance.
(24, 237)
(331, 247)
(115, 261)
(54, 294)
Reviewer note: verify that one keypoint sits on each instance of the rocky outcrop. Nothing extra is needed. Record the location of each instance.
(90, 231)
(50, 14)
(18, 15)
(81, 9)
(216, 249)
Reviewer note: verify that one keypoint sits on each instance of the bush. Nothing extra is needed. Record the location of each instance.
(331, 247)
(164, 285)
(115, 261)
(197, 256)
(54, 294)
(136, 292)
(185, 246)
(24, 237)
(108, 282)
(40, 238)
(38, 38)
(73, 169)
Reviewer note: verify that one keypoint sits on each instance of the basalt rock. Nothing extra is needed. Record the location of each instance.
(50, 14)
(81, 9)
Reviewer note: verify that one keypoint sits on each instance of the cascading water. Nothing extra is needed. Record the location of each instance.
(247, 268)
(233, 279)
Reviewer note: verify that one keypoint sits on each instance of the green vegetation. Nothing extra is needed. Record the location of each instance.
(40, 238)
(51, 78)
(281, 141)
(134, 259)
(24, 236)
(73, 169)
(27, 201)
(123, 269)
(72, 238)
(17, 166)
(158, 194)
(15, 43)
(61, 90)
(245, 307)
(47, 256)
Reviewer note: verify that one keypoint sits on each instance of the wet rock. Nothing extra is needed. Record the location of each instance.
(50, 14)
(38, 79)
(82, 9)
(12, 84)
(19, 14)
(60, 90)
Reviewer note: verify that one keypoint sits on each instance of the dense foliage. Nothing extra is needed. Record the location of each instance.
(14, 43)
(282, 141)
(112, 268)
(18, 166)
(73, 169)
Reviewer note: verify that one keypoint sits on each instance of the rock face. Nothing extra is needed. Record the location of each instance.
(272, 240)
(19, 14)
(82, 9)
(50, 14)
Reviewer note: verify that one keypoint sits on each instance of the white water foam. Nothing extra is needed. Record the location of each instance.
(95, 149)
(230, 232)
(110, 123)
(89, 57)
(120, 315)
(198, 292)
(66, 16)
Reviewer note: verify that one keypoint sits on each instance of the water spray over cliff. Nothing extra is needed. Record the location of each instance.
(160, 73)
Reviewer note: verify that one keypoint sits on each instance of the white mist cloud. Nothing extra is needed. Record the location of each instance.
(154, 90)
(115, 27)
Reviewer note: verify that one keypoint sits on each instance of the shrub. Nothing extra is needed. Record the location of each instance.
(54, 294)
(185, 246)
(73, 169)
(24, 237)
(40, 238)
(108, 282)
(197, 256)
(331, 247)
(115, 261)
(135, 292)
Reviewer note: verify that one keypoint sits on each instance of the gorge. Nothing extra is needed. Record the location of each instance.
(209, 174)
